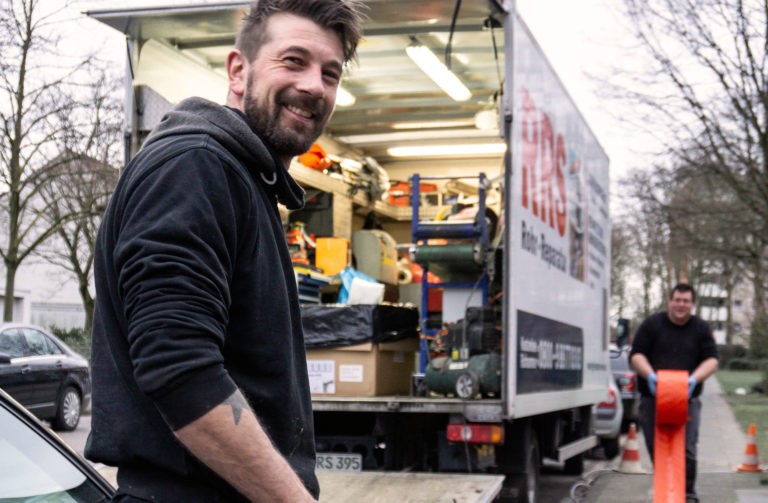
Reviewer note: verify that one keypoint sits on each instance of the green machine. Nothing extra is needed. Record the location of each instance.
(480, 375)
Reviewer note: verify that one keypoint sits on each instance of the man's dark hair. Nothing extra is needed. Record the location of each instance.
(341, 16)
(682, 288)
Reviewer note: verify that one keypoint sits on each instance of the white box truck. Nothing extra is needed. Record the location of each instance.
(553, 358)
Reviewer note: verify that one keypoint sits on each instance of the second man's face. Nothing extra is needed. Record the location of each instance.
(292, 82)
(680, 307)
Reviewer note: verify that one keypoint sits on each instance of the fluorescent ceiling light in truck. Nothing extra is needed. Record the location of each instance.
(476, 149)
(438, 72)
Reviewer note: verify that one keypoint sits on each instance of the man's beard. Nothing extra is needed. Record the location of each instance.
(283, 140)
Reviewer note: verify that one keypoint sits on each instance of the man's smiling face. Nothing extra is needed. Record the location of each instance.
(291, 83)
(680, 306)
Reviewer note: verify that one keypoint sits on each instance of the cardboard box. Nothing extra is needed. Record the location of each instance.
(371, 369)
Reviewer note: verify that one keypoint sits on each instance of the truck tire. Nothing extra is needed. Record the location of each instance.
(575, 465)
(529, 486)
(521, 484)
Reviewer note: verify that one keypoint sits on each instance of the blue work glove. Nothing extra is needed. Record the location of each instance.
(652, 380)
(691, 386)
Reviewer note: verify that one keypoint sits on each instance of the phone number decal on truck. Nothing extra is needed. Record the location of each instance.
(550, 354)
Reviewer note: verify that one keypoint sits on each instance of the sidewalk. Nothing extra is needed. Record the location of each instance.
(721, 448)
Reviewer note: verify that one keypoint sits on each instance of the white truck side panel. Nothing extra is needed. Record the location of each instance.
(559, 243)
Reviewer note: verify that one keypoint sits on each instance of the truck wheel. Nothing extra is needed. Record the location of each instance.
(582, 428)
(524, 487)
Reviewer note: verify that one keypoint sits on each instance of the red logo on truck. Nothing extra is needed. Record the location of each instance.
(544, 158)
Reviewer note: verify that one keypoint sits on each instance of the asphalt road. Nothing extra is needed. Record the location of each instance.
(554, 485)
(76, 439)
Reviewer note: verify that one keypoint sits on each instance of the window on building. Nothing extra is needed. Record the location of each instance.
(737, 303)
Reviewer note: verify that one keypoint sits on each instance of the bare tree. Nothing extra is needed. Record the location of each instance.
(81, 192)
(703, 92)
(621, 266)
(34, 93)
(710, 95)
(704, 235)
(648, 233)
(77, 196)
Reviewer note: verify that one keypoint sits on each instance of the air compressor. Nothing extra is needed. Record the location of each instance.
(473, 368)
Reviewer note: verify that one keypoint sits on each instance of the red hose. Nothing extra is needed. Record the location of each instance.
(669, 443)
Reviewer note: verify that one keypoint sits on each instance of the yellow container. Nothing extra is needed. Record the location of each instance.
(331, 254)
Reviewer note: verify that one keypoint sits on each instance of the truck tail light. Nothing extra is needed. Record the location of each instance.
(610, 403)
(473, 433)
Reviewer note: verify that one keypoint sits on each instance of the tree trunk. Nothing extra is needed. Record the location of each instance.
(10, 285)
(88, 305)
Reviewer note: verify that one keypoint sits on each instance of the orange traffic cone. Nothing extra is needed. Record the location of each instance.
(751, 463)
(630, 460)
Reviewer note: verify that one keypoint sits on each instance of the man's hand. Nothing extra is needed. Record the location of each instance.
(652, 381)
(691, 386)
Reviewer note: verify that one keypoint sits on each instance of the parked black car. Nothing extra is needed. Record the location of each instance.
(36, 465)
(44, 375)
(626, 380)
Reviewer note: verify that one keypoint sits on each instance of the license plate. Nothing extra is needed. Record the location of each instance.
(339, 461)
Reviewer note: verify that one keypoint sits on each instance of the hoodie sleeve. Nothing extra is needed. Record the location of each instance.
(174, 258)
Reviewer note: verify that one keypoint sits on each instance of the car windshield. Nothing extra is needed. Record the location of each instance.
(31, 470)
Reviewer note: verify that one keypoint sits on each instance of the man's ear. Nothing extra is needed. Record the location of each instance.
(237, 69)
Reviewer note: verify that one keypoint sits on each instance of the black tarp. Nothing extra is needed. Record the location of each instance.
(337, 325)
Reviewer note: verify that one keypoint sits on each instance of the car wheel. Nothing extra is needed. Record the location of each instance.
(610, 447)
(68, 410)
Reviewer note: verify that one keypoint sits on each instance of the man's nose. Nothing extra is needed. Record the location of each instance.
(311, 82)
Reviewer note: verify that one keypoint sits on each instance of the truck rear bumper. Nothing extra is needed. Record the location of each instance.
(481, 411)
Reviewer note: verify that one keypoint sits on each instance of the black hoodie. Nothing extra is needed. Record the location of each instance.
(196, 296)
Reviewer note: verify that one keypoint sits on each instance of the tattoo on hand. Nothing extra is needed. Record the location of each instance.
(238, 403)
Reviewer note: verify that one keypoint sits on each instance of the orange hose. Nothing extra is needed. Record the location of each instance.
(669, 443)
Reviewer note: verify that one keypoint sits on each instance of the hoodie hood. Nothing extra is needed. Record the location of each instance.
(230, 128)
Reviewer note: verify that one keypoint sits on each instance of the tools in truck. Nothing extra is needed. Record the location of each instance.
(478, 332)
(300, 242)
(472, 366)
(460, 251)
(480, 375)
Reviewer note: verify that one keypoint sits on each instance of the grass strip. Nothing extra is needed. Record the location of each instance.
(750, 407)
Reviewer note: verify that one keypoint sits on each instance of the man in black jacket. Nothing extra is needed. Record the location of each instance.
(675, 340)
(199, 371)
